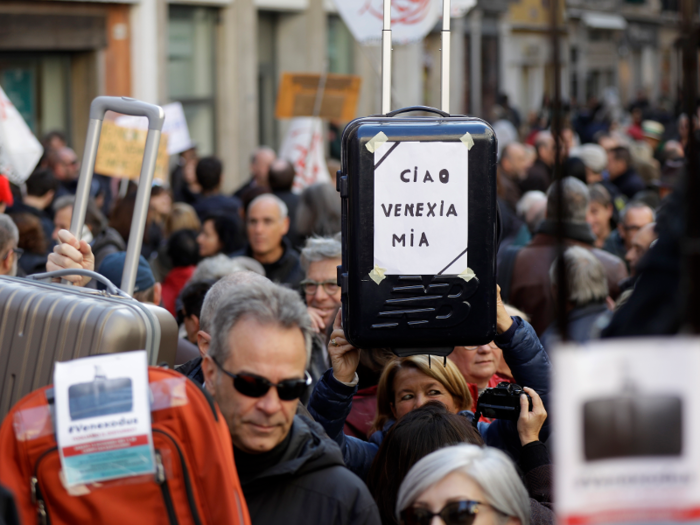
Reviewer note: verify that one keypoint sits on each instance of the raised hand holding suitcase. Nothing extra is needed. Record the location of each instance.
(41, 323)
(419, 223)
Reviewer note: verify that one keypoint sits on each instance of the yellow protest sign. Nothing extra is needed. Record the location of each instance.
(120, 153)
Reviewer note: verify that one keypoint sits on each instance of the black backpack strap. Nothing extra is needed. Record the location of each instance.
(505, 271)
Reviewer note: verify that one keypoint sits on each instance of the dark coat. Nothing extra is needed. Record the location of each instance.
(581, 325)
(286, 270)
(310, 484)
(530, 288)
(331, 401)
(629, 183)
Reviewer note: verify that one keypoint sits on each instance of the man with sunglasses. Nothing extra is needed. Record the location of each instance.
(9, 253)
(255, 368)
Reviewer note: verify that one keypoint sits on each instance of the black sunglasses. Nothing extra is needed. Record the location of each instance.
(454, 513)
(251, 385)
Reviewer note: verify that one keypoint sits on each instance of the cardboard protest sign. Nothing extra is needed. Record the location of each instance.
(411, 20)
(303, 147)
(174, 126)
(20, 150)
(120, 153)
(103, 417)
(298, 92)
(626, 419)
(420, 208)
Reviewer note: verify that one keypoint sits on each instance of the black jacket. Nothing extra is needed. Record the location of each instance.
(308, 484)
(107, 243)
(629, 183)
(286, 270)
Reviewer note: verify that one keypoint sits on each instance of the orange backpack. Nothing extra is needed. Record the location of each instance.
(195, 481)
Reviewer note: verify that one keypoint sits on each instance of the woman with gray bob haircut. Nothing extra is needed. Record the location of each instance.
(463, 485)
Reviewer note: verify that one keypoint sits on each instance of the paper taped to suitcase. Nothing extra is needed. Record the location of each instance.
(421, 208)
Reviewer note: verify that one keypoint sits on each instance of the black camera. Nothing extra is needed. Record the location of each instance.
(502, 402)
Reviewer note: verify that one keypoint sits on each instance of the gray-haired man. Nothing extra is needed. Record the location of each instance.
(255, 368)
(267, 223)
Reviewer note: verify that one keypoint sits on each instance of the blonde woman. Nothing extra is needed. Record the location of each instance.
(408, 383)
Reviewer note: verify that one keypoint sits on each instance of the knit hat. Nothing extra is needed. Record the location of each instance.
(593, 156)
(112, 268)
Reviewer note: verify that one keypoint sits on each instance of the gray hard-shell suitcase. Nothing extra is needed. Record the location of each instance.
(42, 322)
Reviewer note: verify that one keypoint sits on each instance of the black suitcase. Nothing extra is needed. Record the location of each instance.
(419, 228)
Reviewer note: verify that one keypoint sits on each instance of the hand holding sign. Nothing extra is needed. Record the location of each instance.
(344, 357)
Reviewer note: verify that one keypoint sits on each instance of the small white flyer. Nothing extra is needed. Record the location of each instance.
(103, 417)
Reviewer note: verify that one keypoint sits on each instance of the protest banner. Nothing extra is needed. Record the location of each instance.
(303, 147)
(103, 417)
(120, 153)
(174, 126)
(20, 150)
(411, 20)
(298, 95)
(625, 413)
(421, 208)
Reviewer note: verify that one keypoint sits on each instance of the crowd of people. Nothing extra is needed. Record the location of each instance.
(324, 432)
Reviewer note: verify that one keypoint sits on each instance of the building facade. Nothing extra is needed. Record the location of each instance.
(223, 60)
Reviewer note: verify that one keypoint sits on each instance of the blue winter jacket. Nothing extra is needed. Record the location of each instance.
(331, 401)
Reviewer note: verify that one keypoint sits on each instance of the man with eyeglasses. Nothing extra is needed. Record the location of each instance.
(9, 253)
(633, 218)
(320, 259)
(255, 368)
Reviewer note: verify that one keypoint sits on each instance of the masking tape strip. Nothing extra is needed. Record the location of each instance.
(467, 140)
(377, 274)
(168, 393)
(375, 142)
(467, 274)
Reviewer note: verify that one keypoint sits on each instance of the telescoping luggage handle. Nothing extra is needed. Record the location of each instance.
(156, 117)
(444, 61)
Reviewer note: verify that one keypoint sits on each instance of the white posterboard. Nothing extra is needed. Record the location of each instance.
(103, 417)
(421, 208)
(303, 147)
(174, 126)
(20, 150)
(626, 417)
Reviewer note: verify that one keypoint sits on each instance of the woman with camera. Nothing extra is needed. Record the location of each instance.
(409, 382)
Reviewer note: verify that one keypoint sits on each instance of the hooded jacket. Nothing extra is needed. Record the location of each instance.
(308, 484)
(331, 401)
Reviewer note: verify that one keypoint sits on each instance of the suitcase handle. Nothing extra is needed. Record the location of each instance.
(418, 108)
(156, 117)
(111, 287)
(128, 106)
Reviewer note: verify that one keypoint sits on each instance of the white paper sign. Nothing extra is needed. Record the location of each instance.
(103, 417)
(175, 125)
(20, 151)
(303, 147)
(420, 208)
(626, 418)
(411, 20)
